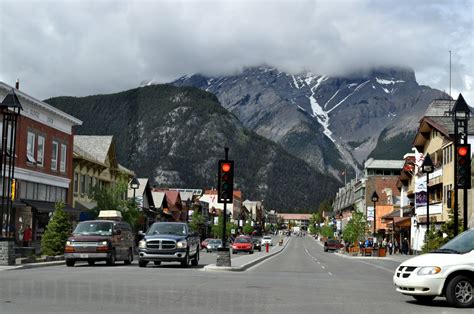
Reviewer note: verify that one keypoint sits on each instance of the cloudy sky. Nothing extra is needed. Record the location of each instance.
(88, 47)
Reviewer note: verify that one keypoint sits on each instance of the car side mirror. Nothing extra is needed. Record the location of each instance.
(118, 232)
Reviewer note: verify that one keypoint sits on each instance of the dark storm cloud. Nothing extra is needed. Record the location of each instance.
(81, 48)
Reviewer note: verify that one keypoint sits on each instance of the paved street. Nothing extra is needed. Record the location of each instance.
(301, 279)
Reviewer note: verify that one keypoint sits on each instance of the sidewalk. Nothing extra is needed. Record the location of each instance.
(245, 262)
(395, 257)
(19, 264)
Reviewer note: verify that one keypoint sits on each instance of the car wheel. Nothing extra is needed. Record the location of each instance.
(185, 261)
(325, 250)
(424, 299)
(460, 292)
(70, 263)
(111, 260)
(129, 259)
(142, 263)
(195, 260)
(91, 263)
(157, 263)
(251, 252)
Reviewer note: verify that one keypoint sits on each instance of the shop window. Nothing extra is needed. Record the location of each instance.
(83, 184)
(76, 182)
(30, 191)
(40, 151)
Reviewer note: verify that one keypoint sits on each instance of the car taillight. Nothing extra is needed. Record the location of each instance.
(68, 249)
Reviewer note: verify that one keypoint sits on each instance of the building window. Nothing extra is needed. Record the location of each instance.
(62, 165)
(76, 182)
(83, 184)
(54, 156)
(40, 151)
(30, 148)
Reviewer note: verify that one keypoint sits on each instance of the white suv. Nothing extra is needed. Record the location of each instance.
(447, 271)
(267, 239)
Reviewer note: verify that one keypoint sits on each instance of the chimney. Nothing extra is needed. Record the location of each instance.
(17, 84)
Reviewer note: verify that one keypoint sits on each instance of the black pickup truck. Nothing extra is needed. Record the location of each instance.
(169, 242)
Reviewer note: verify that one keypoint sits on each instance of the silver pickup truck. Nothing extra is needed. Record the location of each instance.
(169, 242)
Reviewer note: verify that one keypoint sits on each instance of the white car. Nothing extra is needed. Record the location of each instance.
(447, 271)
(267, 239)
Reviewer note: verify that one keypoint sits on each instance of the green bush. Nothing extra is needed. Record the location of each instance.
(327, 231)
(247, 229)
(56, 233)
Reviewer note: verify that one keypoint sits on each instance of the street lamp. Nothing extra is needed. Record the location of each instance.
(188, 206)
(427, 167)
(375, 199)
(10, 109)
(460, 115)
(134, 185)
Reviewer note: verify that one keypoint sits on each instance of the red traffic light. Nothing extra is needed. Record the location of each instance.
(226, 167)
(462, 151)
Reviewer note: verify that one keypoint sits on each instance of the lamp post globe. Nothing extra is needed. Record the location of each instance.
(375, 199)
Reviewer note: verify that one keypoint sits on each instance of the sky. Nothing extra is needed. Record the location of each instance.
(80, 48)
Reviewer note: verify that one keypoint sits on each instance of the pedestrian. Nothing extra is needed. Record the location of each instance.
(390, 247)
(27, 234)
(405, 246)
(397, 247)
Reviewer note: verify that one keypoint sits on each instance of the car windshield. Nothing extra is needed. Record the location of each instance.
(461, 244)
(267, 238)
(215, 242)
(163, 228)
(93, 228)
(242, 240)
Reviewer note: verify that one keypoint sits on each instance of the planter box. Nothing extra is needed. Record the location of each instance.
(382, 252)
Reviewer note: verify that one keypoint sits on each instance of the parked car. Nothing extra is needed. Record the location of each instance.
(267, 239)
(204, 243)
(257, 243)
(214, 245)
(169, 242)
(100, 240)
(447, 271)
(332, 245)
(242, 244)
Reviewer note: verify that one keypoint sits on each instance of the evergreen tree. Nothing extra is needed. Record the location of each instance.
(56, 233)
(198, 223)
(436, 238)
(356, 228)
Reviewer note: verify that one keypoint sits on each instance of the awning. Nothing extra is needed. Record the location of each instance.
(48, 207)
(15, 203)
(85, 206)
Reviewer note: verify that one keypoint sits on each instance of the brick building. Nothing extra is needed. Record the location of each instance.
(43, 165)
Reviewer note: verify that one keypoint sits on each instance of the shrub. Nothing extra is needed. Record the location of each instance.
(56, 233)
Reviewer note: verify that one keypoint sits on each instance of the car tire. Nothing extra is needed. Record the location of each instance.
(423, 299)
(460, 291)
(325, 250)
(195, 260)
(142, 263)
(111, 260)
(91, 263)
(185, 261)
(251, 252)
(129, 259)
(157, 263)
(70, 263)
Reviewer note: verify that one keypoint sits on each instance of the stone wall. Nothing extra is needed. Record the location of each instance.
(7, 252)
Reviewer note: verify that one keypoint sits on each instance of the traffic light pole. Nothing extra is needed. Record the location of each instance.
(224, 235)
(455, 207)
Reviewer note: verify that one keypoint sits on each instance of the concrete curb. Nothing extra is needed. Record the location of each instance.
(33, 265)
(213, 267)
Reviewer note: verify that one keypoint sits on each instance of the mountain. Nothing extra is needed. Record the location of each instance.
(331, 122)
(175, 135)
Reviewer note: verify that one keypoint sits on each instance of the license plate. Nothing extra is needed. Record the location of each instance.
(84, 255)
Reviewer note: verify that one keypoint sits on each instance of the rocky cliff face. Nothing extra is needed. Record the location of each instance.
(175, 135)
(330, 122)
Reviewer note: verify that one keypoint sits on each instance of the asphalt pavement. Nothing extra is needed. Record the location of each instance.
(301, 279)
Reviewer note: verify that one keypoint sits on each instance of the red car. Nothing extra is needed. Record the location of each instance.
(332, 245)
(242, 244)
(204, 243)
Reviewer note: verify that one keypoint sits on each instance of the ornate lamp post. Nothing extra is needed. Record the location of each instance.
(460, 114)
(375, 199)
(10, 108)
(134, 185)
(427, 167)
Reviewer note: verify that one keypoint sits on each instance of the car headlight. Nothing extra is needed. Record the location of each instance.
(430, 270)
(182, 244)
(102, 243)
(142, 244)
(68, 242)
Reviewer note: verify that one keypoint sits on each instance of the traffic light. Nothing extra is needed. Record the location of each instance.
(225, 184)
(463, 158)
